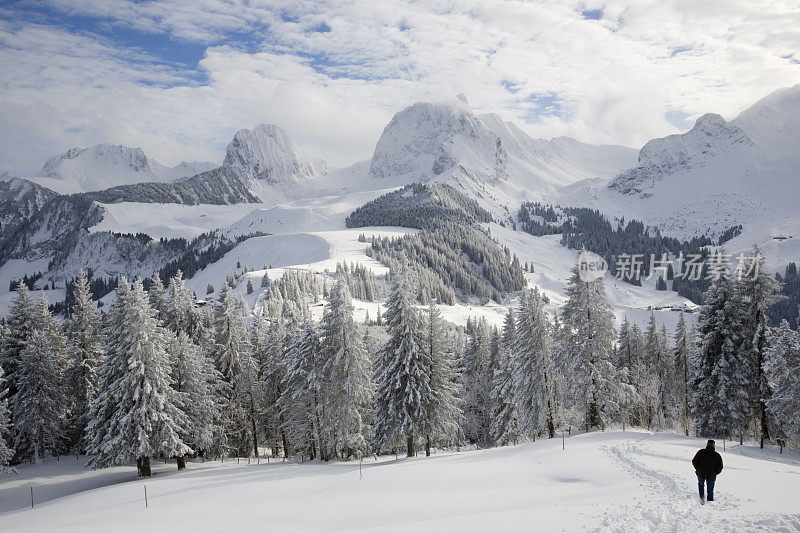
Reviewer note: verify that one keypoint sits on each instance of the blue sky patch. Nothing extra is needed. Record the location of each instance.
(592, 14)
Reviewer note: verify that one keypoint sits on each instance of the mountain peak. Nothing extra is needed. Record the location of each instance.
(106, 165)
(426, 139)
(267, 153)
(773, 123)
(711, 136)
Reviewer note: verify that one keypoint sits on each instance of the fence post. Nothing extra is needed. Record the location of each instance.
(31, 497)
(360, 475)
(145, 496)
(562, 440)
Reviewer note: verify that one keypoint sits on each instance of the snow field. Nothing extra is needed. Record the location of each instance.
(606, 481)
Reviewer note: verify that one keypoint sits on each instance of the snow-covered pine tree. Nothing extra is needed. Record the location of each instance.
(665, 371)
(197, 383)
(505, 414)
(642, 378)
(650, 384)
(157, 296)
(346, 372)
(231, 339)
(248, 393)
(759, 291)
(443, 411)
(477, 375)
(86, 356)
(720, 401)
(179, 307)
(39, 406)
(782, 366)
(684, 353)
(301, 399)
(6, 452)
(272, 371)
(232, 352)
(19, 322)
(402, 372)
(534, 372)
(136, 415)
(588, 336)
(628, 363)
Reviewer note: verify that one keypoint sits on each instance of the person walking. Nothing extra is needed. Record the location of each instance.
(707, 465)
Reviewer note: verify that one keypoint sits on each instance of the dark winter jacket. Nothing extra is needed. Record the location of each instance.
(707, 463)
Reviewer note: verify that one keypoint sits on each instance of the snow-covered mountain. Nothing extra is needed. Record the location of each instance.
(266, 153)
(484, 155)
(105, 165)
(717, 175)
(19, 200)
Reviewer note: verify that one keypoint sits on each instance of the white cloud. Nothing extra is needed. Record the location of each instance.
(615, 79)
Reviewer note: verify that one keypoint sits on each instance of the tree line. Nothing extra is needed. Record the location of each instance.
(158, 376)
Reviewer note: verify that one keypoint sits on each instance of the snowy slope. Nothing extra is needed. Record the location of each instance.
(105, 165)
(606, 481)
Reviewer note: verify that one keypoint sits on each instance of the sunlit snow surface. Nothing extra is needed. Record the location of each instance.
(608, 481)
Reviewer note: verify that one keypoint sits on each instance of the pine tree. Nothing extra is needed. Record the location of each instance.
(39, 405)
(443, 410)
(20, 326)
(534, 375)
(6, 453)
(197, 383)
(758, 292)
(346, 372)
(301, 401)
(782, 367)
(233, 358)
(650, 383)
(588, 335)
(273, 369)
(157, 295)
(505, 414)
(402, 372)
(230, 335)
(477, 375)
(684, 354)
(720, 403)
(136, 414)
(86, 352)
(628, 363)
(665, 371)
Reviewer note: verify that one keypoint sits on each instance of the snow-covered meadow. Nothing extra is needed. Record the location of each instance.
(607, 481)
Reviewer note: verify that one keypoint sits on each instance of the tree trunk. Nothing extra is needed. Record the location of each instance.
(144, 469)
(253, 425)
(285, 444)
(255, 436)
(410, 447)
(181, 460)
(427, 445)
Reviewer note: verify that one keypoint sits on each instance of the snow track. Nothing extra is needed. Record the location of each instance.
(669, 502)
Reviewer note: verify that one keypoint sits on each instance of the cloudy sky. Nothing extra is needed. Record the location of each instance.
(179, 77)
